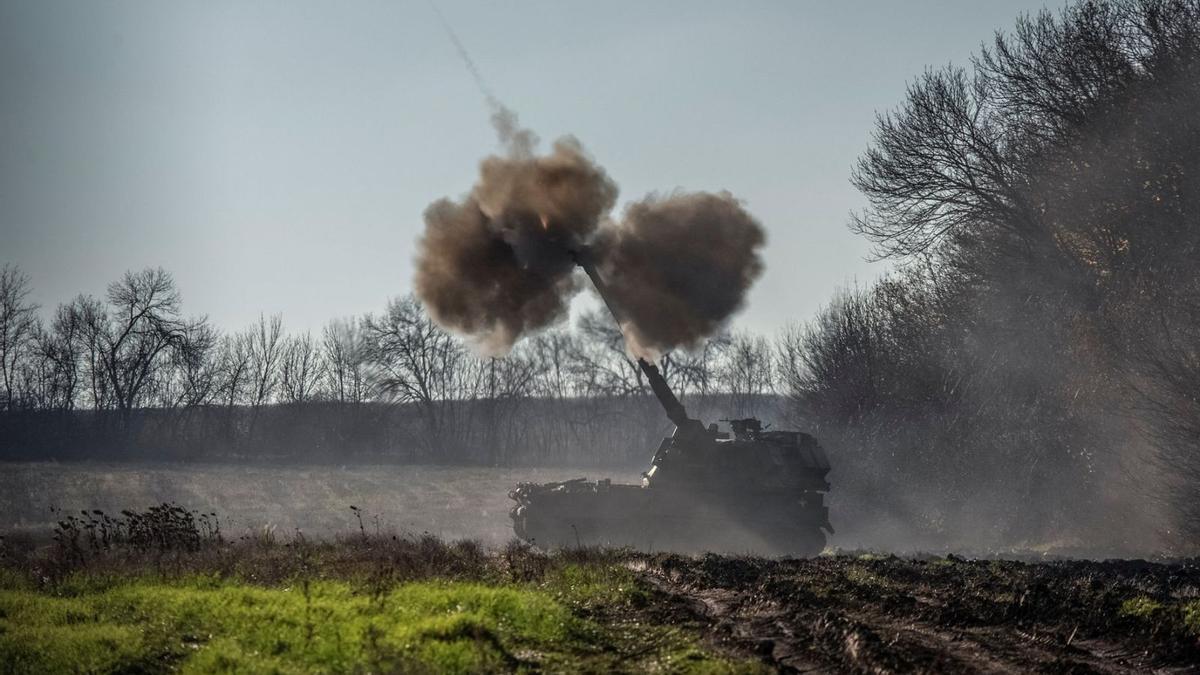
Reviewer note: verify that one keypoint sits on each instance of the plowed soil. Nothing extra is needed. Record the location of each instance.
(872, 614)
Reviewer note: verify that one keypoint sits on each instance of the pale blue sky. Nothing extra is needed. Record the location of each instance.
(277, 156)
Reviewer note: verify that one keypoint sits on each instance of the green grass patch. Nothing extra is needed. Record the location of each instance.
(1178, 618)
(204, 625)
(1191, 617)
(591, 584)
(863, 577)
(1141, 607)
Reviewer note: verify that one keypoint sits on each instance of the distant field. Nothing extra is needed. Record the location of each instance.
(450, 502)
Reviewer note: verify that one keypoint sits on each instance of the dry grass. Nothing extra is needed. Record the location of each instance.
(448, 502)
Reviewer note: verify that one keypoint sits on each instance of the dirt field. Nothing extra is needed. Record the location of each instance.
(873, 614)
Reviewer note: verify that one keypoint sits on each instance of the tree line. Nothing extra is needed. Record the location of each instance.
(1033, 365)
(132, 371)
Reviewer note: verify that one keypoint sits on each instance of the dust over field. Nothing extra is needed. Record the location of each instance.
(449, 502)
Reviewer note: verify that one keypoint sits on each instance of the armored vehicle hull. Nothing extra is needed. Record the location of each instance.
(760, 492)
(583, 513)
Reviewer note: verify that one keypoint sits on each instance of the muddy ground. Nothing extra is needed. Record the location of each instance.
(888, 614)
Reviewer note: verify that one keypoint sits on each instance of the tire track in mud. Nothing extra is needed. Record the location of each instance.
(806, 616)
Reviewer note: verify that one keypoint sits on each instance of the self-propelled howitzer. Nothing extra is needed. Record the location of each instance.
(745, 490)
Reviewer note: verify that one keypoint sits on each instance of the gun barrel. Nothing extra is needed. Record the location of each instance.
(658, 384)
(674, 409)
(583, 260)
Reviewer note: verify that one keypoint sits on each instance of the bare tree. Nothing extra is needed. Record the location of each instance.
(35, 381)
(791, 374)
(506, 386)
(301, 370)
(17, 322)
(266, 352)
(195, 366)
(88, 320)
(551, 352)
(601, 365)
(345, 355)
(233, 363)
(60, 355)
(552, 423)
(143, 326)
(417, 362)
(833, 364)
(1166, 377)
(939, 165)
(746, 371)
(697, 370)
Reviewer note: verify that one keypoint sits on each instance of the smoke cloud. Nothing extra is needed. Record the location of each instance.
(679, 266)
(500, 262)
(497, 264)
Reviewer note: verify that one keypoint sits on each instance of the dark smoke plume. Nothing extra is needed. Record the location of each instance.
(500, 262)
(497, 264)
(679, 266)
